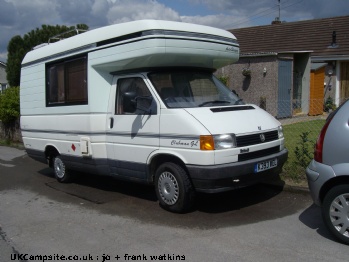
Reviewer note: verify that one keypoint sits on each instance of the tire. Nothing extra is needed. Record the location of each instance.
(335, 212)
(60, 170)
(174, 188)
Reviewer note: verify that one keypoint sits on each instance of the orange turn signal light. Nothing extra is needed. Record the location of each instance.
(206, 143)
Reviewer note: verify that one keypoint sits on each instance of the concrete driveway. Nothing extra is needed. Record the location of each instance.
(102, 219)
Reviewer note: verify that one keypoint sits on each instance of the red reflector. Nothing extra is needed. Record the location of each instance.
(320, 142)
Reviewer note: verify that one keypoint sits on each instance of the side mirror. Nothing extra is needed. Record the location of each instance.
(130, 103)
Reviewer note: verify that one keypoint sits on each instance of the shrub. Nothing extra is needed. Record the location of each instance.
(9, 105)
(329, 105)
(224, 79)
(304, 152)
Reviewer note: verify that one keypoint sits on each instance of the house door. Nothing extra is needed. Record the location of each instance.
(316, 103)
(284, 88)
(132, 131)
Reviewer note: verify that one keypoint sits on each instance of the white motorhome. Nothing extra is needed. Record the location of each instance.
(139, 101)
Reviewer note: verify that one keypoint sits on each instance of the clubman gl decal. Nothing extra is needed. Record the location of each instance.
(185, 143)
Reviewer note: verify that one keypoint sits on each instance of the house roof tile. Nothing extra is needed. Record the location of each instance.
(311, 35)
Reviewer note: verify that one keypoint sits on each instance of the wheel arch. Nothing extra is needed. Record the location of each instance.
(338, 180)
(50, 152)
(156, 160)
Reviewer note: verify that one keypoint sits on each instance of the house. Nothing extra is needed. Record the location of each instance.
(3, 80)
(292, 67)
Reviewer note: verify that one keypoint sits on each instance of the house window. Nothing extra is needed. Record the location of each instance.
(66, 82)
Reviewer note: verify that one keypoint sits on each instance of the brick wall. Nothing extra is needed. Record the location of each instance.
(260, 88)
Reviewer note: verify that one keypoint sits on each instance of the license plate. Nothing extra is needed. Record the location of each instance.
(262, 166)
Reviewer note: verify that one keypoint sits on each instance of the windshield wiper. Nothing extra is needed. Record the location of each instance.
(237, 102)
(214, 102)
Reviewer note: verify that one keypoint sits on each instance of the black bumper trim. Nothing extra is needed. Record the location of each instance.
(220, 178)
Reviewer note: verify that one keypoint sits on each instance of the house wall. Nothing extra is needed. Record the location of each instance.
(259, 88)
(332, 84)
(3, 80)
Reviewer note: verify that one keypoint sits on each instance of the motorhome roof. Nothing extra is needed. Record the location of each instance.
(109, 34)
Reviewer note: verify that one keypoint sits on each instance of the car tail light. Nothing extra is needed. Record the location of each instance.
(320, 142)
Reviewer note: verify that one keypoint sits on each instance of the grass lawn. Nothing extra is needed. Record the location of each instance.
(18, 145)
(292, 169)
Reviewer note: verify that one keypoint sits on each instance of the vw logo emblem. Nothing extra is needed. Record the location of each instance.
(262, 137)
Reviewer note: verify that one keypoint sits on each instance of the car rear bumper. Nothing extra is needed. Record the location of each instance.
(317, 175)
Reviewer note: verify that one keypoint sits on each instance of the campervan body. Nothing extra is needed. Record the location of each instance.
(139, 101)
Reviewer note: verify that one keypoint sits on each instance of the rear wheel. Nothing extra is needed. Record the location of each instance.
(60, 169)
(173, 188)
(335, 211)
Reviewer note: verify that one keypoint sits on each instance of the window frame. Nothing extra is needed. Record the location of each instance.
(66, 64)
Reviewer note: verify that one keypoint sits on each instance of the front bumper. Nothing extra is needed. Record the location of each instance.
(225, 177)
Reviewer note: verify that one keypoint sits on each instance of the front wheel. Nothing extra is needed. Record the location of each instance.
(173, 188)
(60, 169)
(335, 212)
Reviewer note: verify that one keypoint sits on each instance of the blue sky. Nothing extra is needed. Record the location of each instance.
(21, 16)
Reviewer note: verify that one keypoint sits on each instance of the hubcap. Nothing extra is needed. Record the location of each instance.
(59, 168)
(339, 214)
(168, 188)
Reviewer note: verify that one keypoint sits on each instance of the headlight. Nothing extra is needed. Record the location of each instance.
(224, 141)
(280, 132)
(217, 142)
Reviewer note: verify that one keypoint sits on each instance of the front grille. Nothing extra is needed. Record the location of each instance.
(255, 139)
(257, 154)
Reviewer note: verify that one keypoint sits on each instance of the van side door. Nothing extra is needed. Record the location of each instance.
(132, 127)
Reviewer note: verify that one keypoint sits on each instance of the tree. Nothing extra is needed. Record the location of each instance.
(16, 52)
(18, 47)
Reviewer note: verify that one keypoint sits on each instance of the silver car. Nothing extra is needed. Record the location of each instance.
(328, 173)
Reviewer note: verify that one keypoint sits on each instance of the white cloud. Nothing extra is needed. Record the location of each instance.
(7, 17)
(136, 9)
(18, 17)
(3, 56)
(100, 7)
(34, 13)
(220, 21)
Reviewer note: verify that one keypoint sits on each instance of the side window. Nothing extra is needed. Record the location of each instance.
(136, 87)
(66, 82)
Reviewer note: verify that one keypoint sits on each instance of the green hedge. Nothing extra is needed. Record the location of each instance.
(9, 105)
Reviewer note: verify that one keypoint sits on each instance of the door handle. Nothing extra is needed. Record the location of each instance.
(111, 123)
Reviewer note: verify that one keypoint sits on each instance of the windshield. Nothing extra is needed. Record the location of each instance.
(183, 89)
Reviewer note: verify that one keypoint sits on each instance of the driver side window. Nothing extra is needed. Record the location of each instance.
(135, 85)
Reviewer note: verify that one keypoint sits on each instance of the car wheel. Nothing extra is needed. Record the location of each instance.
(335, 211)
(60, 169)
(174, 188)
